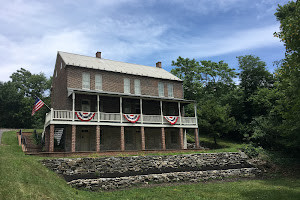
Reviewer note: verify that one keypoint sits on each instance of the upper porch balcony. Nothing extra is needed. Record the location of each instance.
(110, 109)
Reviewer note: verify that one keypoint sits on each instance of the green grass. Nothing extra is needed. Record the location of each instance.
(23, 177)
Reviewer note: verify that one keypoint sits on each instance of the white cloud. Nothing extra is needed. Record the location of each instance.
(38, 54)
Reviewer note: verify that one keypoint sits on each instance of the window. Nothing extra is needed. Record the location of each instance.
(137, 86)
(85, 105)
(174, 137)
(126, 85)
(129, 138)
(85, 80)
(170, 90)
(56, 73)
(161, 91)
(98, 82)
(61, 64)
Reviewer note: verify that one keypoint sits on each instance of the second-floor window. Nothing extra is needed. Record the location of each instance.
(98, 82)
(137, 86)
(126, 85)
(161, 91)
(85, 80)
(170, 90)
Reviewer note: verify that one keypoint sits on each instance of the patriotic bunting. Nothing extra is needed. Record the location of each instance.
(171, 119)
(85, 116)
(132, 117)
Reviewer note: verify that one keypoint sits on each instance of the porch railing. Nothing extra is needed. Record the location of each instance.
(67, 115)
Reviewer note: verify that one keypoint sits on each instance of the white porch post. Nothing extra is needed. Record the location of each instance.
(121, 117)
(195, 108)
(98, 108)
(73, 109)
(179, 112)
(51, 114)
(141, 109)
(161, 112)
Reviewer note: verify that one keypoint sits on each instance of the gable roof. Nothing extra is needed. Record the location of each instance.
(115, 66)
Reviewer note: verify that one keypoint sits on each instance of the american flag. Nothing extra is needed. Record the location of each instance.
(37, 105)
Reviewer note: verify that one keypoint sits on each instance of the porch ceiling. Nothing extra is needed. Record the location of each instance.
(116, 94)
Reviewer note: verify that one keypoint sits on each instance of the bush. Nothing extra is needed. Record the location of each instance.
(251, 150)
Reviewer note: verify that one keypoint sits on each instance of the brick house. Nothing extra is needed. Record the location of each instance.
(101, 105)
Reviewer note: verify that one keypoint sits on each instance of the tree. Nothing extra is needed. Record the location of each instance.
(288, 74)
(253, 76)
(214, 119)
(18, 96)
(208, 82)
(188, 70)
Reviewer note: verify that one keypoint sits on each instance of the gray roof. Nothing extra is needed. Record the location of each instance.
(116, 66)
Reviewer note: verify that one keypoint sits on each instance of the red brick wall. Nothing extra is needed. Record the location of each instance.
(59, 99)
(114, 82)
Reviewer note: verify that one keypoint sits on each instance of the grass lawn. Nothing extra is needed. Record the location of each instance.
(23, 177)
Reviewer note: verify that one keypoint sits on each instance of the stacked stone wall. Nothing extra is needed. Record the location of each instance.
(120, 172)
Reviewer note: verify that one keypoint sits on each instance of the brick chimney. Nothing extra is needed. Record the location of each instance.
(158, 64)
(98, 54)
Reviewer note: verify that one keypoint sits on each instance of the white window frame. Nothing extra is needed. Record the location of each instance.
(161, 89)
(170, 90)
(98, 81)
(137, 86)
(127, 85)
(86, 80)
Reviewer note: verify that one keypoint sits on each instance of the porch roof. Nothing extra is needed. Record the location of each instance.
(116, 94)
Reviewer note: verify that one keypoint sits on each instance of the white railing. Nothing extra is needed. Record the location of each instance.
(115, 117)
(188, 120)
(62, 114)
(152, 119)
(67, 115)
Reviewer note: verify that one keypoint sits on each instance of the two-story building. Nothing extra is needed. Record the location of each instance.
(99, 105)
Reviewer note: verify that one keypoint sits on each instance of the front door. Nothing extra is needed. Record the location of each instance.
(85, 140)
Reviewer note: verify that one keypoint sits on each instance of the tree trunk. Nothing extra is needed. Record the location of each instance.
(215, 139)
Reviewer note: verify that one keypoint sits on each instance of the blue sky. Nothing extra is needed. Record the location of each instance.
(136, 31)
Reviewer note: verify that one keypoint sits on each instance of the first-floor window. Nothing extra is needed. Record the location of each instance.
(174, 137)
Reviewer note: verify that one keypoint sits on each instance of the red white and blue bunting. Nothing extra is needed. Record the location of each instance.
(85, 116)
(171, 119)
(132, 117)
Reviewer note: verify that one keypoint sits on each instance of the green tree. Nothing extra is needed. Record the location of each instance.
(188, 70)
(288, 74)
(253, 76)
(18, 96)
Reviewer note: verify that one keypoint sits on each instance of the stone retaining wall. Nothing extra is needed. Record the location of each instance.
(192, 177)
(109, 167)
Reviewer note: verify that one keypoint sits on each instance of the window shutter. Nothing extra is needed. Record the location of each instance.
(137, 86)
(98, 82)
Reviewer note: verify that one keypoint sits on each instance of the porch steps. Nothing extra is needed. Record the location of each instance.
(58, 132)
(30, 143)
